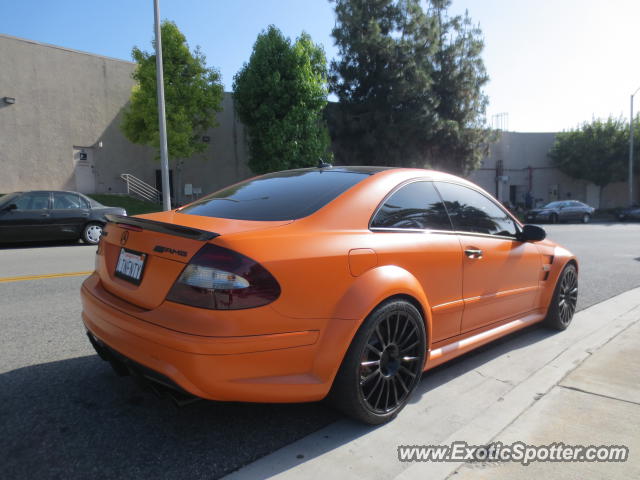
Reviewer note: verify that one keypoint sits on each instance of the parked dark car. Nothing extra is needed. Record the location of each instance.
(561, 211)
(52, 215)
(630, 213)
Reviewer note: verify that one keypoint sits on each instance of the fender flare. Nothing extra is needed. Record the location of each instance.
(561, 258)
(367, 292)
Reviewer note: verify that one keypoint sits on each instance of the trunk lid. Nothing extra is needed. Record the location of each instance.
(165, 242)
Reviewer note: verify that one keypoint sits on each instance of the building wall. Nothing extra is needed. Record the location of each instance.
(63, 99)
(526, 167)
(66, 99)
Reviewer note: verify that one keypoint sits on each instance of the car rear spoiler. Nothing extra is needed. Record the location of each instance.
(162, 227)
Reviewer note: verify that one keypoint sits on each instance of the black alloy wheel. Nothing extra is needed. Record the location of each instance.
(383, 364)
(565, 299)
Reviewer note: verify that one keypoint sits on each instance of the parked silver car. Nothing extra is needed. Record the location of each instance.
(561, 211)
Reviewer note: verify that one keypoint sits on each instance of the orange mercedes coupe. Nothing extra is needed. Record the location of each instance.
(337, 282)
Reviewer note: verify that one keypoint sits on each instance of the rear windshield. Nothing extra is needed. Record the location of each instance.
(276, 196)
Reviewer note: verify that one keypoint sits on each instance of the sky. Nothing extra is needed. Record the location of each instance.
(553, 64)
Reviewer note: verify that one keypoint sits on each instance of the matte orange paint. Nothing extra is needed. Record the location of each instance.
(333, 271)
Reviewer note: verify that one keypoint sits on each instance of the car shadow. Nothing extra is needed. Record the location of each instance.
(75, 418)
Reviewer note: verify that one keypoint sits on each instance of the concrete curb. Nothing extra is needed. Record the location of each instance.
(471, 400)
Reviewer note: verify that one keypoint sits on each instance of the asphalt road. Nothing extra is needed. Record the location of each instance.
(64, 414)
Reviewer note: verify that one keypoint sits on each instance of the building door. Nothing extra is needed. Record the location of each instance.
(593, 195)
(513, 195)
(159, 182)
(83, 168)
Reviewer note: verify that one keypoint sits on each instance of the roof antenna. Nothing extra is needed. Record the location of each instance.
(323, 164)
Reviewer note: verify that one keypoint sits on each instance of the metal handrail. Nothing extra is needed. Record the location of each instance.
(141, 189)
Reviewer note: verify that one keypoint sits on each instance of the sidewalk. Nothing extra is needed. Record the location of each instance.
(596, 404)
(578, 387)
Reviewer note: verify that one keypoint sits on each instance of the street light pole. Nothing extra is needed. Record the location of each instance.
(164, 154)
(631, 150)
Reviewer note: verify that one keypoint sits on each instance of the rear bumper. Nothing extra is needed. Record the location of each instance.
(257, 368)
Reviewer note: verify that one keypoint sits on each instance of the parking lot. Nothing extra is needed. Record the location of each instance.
(64, 414)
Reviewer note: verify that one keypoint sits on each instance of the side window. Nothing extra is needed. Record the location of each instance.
(470, 211)
(33, 201)
(84, 203)
(65, 200)
(416, 205)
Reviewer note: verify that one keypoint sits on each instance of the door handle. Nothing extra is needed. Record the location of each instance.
(473, 253)
(44, 214)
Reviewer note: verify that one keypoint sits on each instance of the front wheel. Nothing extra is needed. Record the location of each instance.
(565, 299)
(383, 364)
(586, 218)
(553, 218)
(91, 233)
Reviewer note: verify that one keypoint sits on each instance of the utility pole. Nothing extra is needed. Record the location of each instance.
(164, 154)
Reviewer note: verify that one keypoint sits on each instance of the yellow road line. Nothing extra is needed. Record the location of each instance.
(38, 277)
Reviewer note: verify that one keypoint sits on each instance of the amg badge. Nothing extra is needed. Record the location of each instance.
(172, 251)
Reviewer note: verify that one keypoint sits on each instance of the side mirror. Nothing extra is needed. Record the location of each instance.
(11, 206)
(532, 233)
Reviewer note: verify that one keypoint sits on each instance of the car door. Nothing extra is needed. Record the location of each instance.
(565, 212)
(415, 234)
(500, 274)
(29, 220)
(68, 214)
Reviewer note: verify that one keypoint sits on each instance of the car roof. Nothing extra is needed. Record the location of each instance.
(395, 171)
(403, 174)
(50, 191)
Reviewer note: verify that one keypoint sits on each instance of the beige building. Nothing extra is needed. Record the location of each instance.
(60, 112)
(518, 163)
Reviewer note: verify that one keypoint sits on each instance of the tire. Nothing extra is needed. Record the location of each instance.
(586, 218)
(91, 233)
(553, 218)
(564, 300)
(383, 364)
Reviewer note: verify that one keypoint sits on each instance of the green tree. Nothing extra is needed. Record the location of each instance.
(193, 95)
(597, 151)
(280, 95)
(409, 81)
(462, 138)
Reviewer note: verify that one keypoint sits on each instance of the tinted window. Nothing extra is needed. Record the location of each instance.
(93, 203)
(470, 211)
(84, 202)
(33, 201)
(276, 196)
(554, 205)
(7, 199)
(65, 200)
(416, 205)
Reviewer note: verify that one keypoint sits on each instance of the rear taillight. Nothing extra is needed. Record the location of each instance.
(221, 279)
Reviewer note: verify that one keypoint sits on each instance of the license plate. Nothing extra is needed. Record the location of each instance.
(130, 266)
